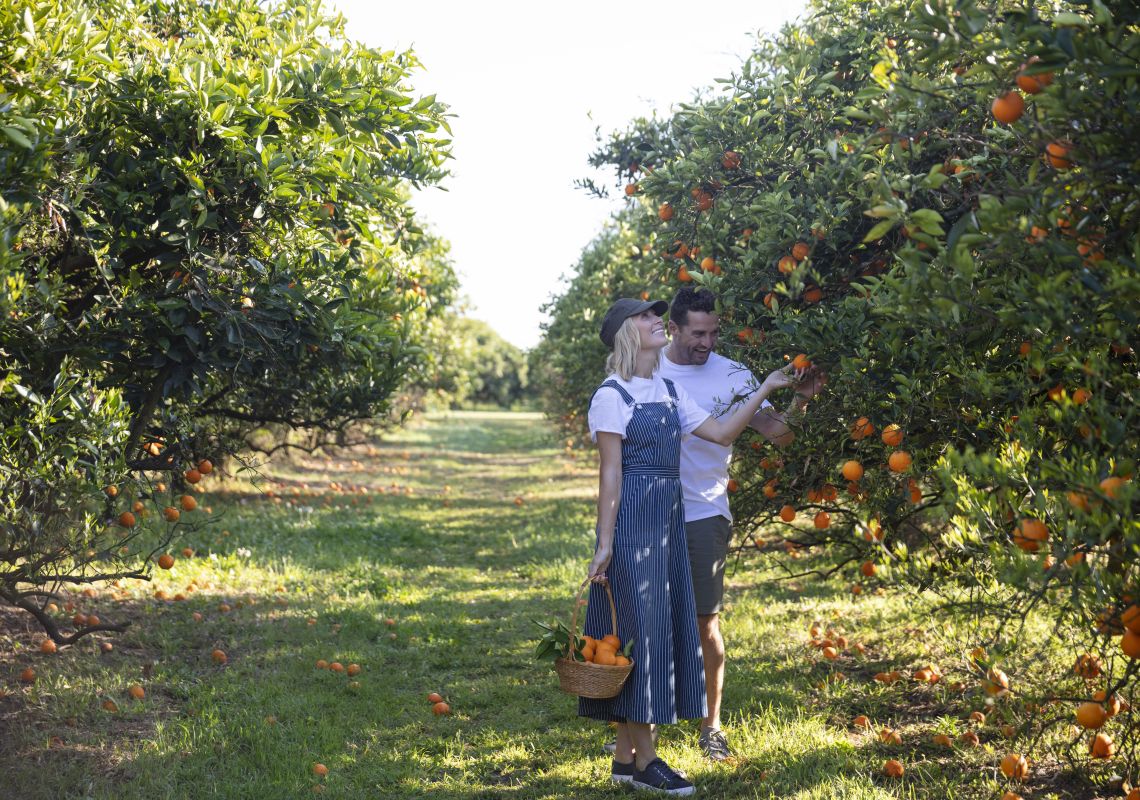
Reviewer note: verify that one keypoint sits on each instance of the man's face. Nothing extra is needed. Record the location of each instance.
(693, 342)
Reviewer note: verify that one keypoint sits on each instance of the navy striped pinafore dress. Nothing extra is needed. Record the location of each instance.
(650, 577)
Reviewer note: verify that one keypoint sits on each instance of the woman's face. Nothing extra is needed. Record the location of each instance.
(651, 329)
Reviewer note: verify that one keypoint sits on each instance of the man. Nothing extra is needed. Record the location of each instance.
(713, 381)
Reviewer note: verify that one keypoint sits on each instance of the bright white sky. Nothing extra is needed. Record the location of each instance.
(529, 82)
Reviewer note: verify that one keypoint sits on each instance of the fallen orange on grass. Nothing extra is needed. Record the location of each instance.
(1015, 766)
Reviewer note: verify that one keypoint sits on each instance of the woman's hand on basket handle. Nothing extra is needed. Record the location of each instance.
(600, 564)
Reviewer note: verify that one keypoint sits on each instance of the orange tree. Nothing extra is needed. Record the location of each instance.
(937, 203)
(627, 259)
(205, 229)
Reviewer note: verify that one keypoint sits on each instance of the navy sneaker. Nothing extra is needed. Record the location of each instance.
(659, 777)
(622, 773)
(714, 744)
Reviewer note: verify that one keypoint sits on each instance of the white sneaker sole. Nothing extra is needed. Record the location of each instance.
(645, 787)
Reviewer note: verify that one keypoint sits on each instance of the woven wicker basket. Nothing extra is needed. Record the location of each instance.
(597, 681)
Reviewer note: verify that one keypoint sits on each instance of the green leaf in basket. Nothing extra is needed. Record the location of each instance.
(625, 651)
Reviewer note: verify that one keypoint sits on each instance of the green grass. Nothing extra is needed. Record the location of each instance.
(447, 553)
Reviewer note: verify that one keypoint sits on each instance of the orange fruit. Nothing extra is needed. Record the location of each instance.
(942, 740)
(219, 656)
(1081, 396)
(434, 698)
(813, 295)
(800, 250)
(1078, 500)
(1130, 644)
(1015, 766)
(1111, 486)
(787, 513)
(1057, 155)
(899, 461)
(352, 669)
(612, 640)
(969, 739)
(861, 429)
(683, 275)
(630, 189)
(47, 646)
(205, 466)
(770, 489)
(1087, 666)
(441, 709)
(166, 561)
(1130, 618)
(1102, 746)
(1029, 534)
(861, 721)
(852, 470)
(322, 664)
(665, 212)
(127, 519)
(171, 514)
(605, 657)
(1008, 107)
(996, 682)
(892, 435)
(801, 362)
(621, 661)
(320, 770)
(336, 666)
(136, 691)
(786, 264)
(1091, 715)
(830, 653)
(192, 476)
(1032, 84)
(28, 675)
(822, 520)
(867, 568)
(730, 160)
(893, 768)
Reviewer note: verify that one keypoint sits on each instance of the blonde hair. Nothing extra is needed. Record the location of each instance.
(627, 343)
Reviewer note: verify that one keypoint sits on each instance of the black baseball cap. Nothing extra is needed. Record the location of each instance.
(622, 310)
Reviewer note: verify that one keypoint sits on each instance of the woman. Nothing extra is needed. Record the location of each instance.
(638, 419)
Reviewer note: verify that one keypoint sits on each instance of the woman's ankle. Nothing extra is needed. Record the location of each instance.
(640, 762)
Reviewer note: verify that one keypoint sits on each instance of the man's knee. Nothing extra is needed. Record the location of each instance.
(708, 626)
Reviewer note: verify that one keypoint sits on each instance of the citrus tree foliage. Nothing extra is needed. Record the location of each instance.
(495, 370)
(204, 228)
(938, 204)
(568, 363)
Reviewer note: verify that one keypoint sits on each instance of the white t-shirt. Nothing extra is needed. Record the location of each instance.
(609, 412)
(704, 465)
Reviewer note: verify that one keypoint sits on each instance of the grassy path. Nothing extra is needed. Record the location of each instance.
(468, 527)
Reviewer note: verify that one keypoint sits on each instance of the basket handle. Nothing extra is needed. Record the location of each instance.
(574, 615)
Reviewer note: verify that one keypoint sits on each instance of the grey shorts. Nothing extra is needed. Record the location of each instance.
(708, 549)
